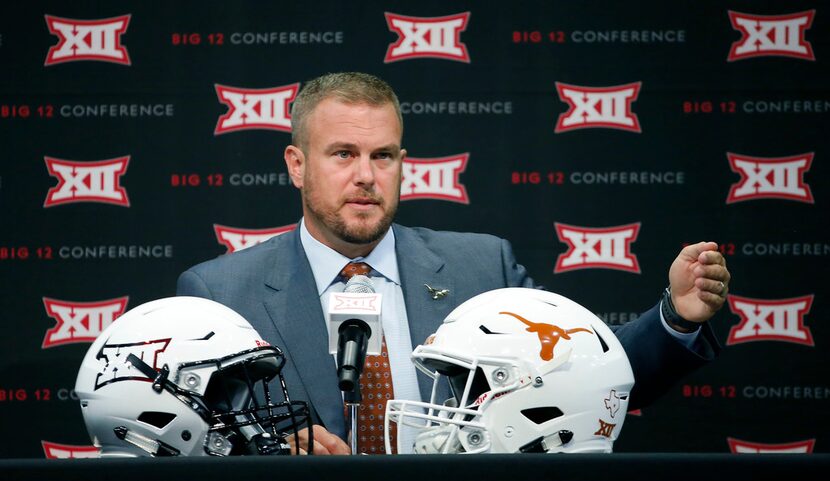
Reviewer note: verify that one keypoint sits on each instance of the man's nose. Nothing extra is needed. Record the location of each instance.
(364, 171)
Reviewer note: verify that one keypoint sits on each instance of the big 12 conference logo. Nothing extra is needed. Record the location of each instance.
(116, 364)
(771, 35)
(80, 181)
(67, 451)
(770, 178)
(738, 446)
(598, 107)
(97, 40)
(80, 321)
(770, 320)
(435, 178)
(252, 109)
(598, 248)
(427, 37)
(236, 239)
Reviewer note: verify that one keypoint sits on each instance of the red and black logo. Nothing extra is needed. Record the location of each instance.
(435, 178)
(97, 40)
(598, 107)
(427, 37)
(770, 320)
(255, 109)
(80, 321)
(771, 35)
(598, 248)
(80, 181)
(770, 178)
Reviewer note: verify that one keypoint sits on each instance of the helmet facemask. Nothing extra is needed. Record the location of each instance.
(236, 404)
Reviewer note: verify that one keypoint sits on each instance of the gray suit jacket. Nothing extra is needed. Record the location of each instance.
(272, 286)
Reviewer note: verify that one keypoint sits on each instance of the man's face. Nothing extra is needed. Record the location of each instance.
(349, 173)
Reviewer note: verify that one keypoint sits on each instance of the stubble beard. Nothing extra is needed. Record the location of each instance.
(360, 233)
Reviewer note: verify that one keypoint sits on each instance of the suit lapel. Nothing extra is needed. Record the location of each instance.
(418, 265)
(292, 303)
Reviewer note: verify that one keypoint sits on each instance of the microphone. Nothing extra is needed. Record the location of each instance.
(354, 328)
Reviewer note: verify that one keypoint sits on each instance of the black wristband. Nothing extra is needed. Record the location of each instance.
(672, 317)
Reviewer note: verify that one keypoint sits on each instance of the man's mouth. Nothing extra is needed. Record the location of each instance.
(362, 203)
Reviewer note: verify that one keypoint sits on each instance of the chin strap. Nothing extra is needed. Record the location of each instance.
(543, 445)
(154, 447)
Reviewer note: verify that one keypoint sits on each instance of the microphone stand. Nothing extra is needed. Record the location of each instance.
(352, 399)
(351, 355)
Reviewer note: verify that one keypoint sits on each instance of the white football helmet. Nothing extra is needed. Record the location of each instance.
(185, 376)
(529, 371)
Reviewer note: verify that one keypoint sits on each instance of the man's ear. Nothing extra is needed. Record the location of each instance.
(295, 163)
(403, 156)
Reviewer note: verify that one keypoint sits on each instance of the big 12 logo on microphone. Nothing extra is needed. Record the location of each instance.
(97, 40)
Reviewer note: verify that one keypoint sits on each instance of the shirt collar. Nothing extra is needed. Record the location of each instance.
(326, 263)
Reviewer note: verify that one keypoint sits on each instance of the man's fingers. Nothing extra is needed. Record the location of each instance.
(324, 442)
(693, 251)
(715, 272)
(712, 257)
(320, 449)
(715, 287)
(330, 443)
(714, 301)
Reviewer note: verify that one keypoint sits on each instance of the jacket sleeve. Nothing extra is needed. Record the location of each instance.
(659, 360)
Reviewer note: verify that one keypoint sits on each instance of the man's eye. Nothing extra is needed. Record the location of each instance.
(343, 154)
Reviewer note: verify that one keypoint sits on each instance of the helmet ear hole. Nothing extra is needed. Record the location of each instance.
(541, 415)
(156, 419)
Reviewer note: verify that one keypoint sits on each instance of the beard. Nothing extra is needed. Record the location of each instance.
(361, 231)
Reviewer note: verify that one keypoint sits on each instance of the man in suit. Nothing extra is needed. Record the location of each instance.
(346, 159)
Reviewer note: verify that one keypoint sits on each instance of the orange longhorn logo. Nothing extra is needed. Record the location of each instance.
(548, 334)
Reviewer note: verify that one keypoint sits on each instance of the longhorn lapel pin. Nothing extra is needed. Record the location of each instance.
(437, 293)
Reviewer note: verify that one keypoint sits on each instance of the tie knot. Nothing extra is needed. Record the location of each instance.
(355, 268)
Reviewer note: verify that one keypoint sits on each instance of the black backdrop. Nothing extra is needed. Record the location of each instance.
(117, 172)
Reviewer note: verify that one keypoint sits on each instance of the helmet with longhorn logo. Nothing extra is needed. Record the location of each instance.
(528, 371)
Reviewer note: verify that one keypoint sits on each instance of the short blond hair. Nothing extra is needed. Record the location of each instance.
(349, 87)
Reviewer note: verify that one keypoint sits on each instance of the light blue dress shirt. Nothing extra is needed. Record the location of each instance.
(326, 265)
